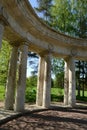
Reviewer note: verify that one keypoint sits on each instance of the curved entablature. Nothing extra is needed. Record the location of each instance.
(23, 25)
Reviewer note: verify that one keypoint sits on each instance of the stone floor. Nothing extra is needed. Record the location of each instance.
(58, 115)
(6, 115)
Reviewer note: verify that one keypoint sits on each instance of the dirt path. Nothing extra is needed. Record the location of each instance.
(53, 119)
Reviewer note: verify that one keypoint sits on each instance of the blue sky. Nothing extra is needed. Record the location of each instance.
(33, 3)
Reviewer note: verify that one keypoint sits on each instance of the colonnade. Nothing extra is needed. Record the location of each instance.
(15, 91)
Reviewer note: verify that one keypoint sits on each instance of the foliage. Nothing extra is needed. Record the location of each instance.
(4, 61)
(59, 80)
(31, 81)
(58, 72)
(30, 95)
(57, 66)
(31, 84)
(44, 7)
(69, 17)
(56, 94)
(2, 92)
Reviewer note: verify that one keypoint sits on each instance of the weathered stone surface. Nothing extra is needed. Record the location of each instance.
(11, 81)
(47, 82)
(66, 82)
(40, 82)
(20, 90)
(25, 25)
(44, 81)
(72, 83)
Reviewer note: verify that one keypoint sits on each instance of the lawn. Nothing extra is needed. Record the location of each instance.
(56, 94)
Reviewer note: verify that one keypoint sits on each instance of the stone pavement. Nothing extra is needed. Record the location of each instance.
(6, 115)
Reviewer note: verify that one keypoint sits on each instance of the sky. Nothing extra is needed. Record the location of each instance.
(33, 3)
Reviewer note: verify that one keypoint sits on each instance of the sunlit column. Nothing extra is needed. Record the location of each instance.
(72, 83)
(66, 82)
(11, 81)
(47, 82)
(40, 81)
(21, 85)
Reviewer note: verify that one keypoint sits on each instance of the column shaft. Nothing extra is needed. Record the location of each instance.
(47, 82)
(72, 86)
(21, 85)
(66, 83)
(1, 33)
(10, 87)
(40, 81)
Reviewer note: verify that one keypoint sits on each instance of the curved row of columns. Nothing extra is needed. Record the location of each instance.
(17, 94)
(44, 82)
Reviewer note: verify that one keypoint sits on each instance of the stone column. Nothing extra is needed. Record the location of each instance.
(47, 82)
(1, 33)
(10, 87)
(40, 81)
(21, 85)
(72, 85)
(66, 82)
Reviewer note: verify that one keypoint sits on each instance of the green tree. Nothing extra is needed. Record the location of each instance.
(31, 85)
(57, 66)
(44, 8)
(4, 61)
(58, 72)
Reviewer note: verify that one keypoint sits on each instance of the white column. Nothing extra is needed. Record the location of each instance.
(66, 82)
(72, 84)
(47, 82)
(21, 85)
(40, 81)
(11, 81)
(1, 33)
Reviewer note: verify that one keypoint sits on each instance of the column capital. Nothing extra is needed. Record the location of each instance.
(74, 52)
(45, 53)
(50, 47)
(19, 43)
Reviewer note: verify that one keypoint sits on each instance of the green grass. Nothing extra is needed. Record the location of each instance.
(85, 93)
(2, 93)
(56, 94)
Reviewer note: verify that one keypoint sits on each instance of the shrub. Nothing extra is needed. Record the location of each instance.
(31, 84)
